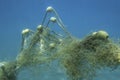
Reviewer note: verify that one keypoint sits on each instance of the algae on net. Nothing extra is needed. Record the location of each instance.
(80, 58)
(8, 71)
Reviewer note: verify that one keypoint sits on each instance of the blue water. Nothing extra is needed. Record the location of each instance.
(80, 17)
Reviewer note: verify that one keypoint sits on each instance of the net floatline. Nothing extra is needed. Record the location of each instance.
(79, 58)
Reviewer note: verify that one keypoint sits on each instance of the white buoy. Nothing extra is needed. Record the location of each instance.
(94, 33)
(53, 19)
(49, 9)
(25, 31)
(2, 64)
(52, 45)
(39, 27)
(102, 34)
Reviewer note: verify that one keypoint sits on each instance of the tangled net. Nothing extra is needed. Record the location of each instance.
(80, 58)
